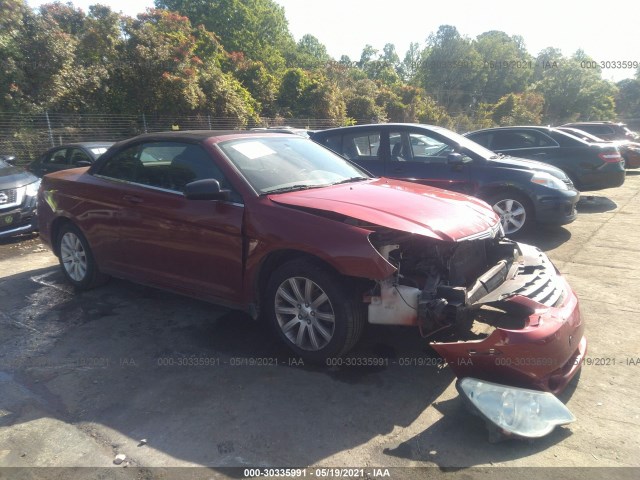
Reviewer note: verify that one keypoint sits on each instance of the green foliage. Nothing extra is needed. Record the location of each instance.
(237, 58)
(570, 91)
(507, 63)
(257, 28)
(628, 98)
(513, 109)
(452, 70)
(309, 54)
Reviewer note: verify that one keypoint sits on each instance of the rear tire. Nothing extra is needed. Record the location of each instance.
(313, 311)
(76, 259)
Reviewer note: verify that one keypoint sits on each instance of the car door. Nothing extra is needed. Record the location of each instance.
(422, 156)
(54, 161)
(190, 246)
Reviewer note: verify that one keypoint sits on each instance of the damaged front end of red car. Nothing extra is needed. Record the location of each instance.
(507, 322)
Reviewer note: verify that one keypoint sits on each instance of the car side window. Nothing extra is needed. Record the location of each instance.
(483, 139)
(544, 140)
(57, 157)
(427, 149)
(78, 156)
(597, 129)
(509, 140)
(361, 145)
(165, 165)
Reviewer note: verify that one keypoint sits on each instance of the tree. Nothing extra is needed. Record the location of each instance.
(258, 28)
(362, 104)
(38, 56)
(164, 74)
(293, 85)
(452, 70)
(508, 65)
(411, 63)
(570, 91)
(628, 98)
(262, 86)
(309, 54)
(514, 109)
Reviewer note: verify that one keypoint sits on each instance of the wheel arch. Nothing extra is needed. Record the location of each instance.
(275, 259)
(56, 226)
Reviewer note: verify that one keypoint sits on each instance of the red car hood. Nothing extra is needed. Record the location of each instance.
(399, 205)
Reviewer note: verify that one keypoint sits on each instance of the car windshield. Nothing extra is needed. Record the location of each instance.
(278, 164)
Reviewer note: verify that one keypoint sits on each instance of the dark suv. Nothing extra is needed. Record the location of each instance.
(520, 191)
(18, 193)
(605, 130)
(590, 166)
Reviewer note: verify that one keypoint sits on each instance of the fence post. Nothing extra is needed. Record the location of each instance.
(53, 144)
(144, 122)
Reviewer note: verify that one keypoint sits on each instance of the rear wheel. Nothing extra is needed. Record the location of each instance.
(313, 311)
(76, 259)
(515, 212)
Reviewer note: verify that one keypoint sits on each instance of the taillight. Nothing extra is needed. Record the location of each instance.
(612, 157)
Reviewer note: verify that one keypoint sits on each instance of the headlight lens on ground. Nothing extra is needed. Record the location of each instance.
(548, 180)
(519, 411)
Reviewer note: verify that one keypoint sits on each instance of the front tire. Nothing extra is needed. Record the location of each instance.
(76, 259)
(516, 214)
(313, 311)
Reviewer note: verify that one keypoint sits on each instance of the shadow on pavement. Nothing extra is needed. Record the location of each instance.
(203, 384)
(545, 237)
(595, 204)
(470, 441)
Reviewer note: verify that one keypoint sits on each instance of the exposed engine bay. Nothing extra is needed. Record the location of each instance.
(465, 285)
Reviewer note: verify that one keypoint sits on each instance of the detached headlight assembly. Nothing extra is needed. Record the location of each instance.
(516, 411)
(549, 181)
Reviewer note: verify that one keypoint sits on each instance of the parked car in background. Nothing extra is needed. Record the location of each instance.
(630, 151)
(297, 131)
(521, 191)
(18, 193)
(606, 130)
(71, 155)
(590, 166)
(10, 159)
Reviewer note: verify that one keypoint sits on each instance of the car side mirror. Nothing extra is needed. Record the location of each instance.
(457, 159)
(207, 189)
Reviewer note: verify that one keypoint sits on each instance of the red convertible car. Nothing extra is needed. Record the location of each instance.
(286, 230)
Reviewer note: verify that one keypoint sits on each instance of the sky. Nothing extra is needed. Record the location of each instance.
(346, 26)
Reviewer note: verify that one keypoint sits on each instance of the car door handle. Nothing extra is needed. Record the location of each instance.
(132, 199)
(539, 154)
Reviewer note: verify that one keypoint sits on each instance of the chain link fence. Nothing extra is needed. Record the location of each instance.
(28, 135)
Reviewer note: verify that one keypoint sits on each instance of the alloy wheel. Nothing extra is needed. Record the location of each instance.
(304, 313)
(74, 256)
(512, 215)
